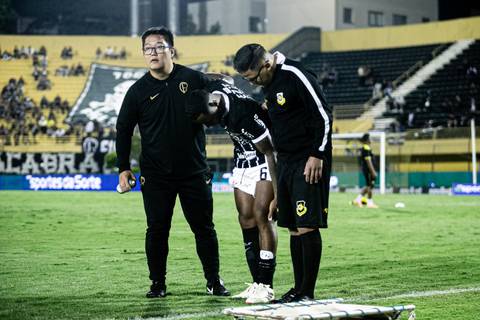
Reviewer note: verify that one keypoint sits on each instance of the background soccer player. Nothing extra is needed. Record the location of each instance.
(301, 132)
(172, 161)
(366, 161)
(244, 120)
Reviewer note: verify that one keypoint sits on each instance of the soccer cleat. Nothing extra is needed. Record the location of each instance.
(262, 293)
(157, 290)
(372, 206)
(217, 288)
(246, 293)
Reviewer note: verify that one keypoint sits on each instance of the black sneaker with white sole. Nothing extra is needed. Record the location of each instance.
(157, 290)
(217, 288)
(291, 296)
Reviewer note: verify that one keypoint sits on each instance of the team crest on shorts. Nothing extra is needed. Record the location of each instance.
(281, 99)
(183, 86)
(301, 208)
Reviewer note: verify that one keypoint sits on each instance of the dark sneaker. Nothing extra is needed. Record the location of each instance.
(217, 288)
(291, 296)
(157, 290)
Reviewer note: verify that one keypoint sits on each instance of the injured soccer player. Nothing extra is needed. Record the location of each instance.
(246, 123)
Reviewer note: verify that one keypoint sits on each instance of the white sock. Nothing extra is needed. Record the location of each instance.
(266, 255)
(359, 197)
(370, 201)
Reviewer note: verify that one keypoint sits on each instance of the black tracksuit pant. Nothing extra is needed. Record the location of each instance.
(159, 196)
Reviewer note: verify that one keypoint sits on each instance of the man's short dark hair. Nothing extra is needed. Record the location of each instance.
(365, 138)
(163, 31)
(197, 103)
(248, 57)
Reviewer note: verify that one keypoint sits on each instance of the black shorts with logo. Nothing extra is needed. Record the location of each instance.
(300, 204)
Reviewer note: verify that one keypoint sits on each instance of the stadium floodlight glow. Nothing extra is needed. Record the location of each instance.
(381, 136)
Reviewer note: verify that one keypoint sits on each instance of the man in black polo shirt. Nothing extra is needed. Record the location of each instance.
(301, 132)
(173, 159)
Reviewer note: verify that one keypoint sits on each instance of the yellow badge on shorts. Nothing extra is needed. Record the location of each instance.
(281, 99)
(325, 210)
(301, 208)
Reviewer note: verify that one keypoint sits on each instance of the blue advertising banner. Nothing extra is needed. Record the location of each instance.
(466, 189)
(60, 182)
(75, 182)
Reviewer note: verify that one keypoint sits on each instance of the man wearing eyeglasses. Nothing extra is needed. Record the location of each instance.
(301, 131)
(172, 162)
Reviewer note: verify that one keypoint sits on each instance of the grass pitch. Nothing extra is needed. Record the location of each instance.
(80, 255)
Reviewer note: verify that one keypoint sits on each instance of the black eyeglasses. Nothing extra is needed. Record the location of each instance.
(254, 79)
(156, 50)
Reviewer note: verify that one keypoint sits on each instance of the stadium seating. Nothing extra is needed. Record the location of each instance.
(442, 88)
(387, 64)
(190, 50)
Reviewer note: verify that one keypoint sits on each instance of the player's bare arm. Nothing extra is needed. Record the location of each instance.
(265, 147)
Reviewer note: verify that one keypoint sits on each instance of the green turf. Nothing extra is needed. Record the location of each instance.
(80, 255)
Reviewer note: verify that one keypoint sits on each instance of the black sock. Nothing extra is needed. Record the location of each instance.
(266, 269)
(296, 251)
(312, 253)
(252, 250)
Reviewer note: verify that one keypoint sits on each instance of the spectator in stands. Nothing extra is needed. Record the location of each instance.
(67, 53)
(24, 133)
(365, 76)
(98, 53)
(65, 107)
(471, 74)
(43, 83)
(43, 62)
(42, 51)
(34, 130)
(79, 70)
(44, 102)
(399, 104)
(6, 55)
(377, 92)
(16, 53)
(427, 101)
(109, 53)
(42, 124)
(123, 54)
(62, 71)
(228, 61)
(4, 135)
(411, 119)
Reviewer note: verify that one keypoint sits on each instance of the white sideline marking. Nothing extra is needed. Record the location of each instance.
(414, 294)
